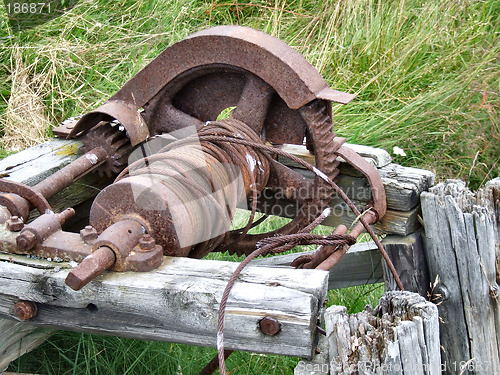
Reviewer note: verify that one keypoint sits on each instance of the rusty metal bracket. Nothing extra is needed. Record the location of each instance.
(24, 191)
(373, 177)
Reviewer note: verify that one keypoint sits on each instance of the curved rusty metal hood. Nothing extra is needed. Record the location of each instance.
(294, 79)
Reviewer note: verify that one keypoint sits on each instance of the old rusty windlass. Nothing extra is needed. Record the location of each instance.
(275, 96)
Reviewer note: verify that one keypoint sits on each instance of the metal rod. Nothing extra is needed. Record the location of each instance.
(213, 365)
(334, 258)
(91, 267)
(70, 173)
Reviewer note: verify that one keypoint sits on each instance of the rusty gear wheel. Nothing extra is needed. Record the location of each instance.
(202, 94)
(114, 141)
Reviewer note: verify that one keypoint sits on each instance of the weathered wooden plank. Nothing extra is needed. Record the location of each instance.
(337, 331)
(401, 196)
(361, 265)
(318, 364)
(177, 303)
(460, 231)
(403, 185)
(408, 256)
(38, 162)
(400, 337)
(35, 163)
(395, 222)
(411, 360)
(376, 156)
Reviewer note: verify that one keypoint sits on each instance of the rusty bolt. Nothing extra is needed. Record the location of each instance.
(62, 217)
(15, 224)
(270, 326)
(25, 310)
(26, 241)
(147, 242)
(88, 234)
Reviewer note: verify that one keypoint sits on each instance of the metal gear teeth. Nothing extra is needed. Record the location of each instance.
(116, 144)
(325, 143)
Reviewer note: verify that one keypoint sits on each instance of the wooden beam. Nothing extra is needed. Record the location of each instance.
(375, 156)
(17, 339)
(408, 256)
(394, 222)
(178, 302)
(363, 264)
(38, 162)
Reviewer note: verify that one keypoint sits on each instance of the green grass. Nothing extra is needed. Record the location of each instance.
(425, 72)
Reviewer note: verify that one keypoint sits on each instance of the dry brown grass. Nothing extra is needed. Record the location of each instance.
(26, 120)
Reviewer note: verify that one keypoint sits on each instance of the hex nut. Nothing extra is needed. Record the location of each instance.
(270, 326)
(15, 224)
(147, 242)
(88, 234)
(26, 241)
(25, 310)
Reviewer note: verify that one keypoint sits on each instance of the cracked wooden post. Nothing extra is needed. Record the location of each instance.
(399, 337)
(462, 245)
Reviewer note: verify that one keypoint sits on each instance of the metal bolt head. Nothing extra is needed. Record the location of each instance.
(25, 310)
(270, 326)
(26, 241)
(147, 242)
(15, 224)
(88, 234)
